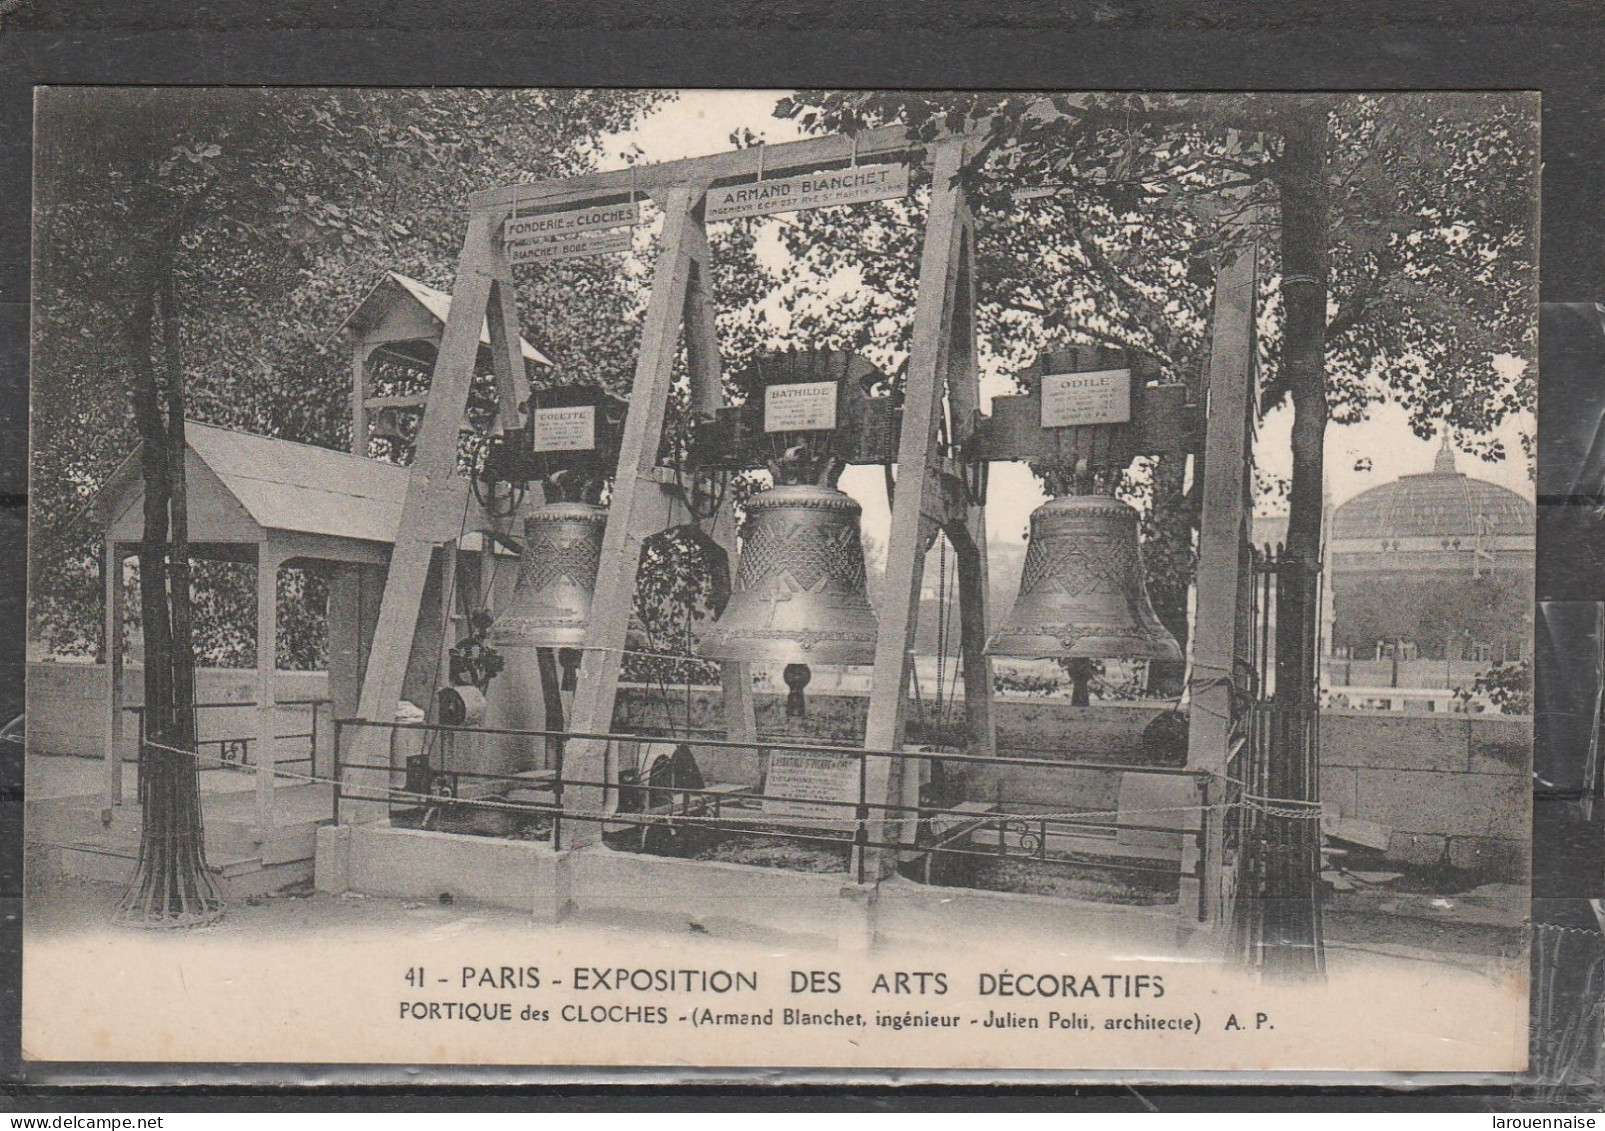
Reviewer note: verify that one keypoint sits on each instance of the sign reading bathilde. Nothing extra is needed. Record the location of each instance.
(1073, 399)
(809, 406)
(858, 184)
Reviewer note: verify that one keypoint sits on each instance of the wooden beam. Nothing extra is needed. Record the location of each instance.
(432, 481)
(1222, 534)
(506, 335)
(707, 397)
(267, 663)
(738, 164)
(359, 398)
(905, 551)
(634, 511)
(112, 567)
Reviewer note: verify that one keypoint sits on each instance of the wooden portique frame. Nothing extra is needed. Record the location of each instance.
(930, 497)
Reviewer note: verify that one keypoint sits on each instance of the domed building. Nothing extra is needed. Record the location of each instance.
(1437, 566)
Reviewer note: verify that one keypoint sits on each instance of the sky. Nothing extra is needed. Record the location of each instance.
(700, 122)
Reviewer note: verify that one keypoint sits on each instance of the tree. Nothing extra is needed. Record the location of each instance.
(310, 196)
(212, 235)
(1401, 264)
(1399, 235)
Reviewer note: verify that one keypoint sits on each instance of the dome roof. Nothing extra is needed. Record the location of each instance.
(1443, 503)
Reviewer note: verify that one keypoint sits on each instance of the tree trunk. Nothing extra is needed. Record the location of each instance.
(172, 886)
(1291, 901)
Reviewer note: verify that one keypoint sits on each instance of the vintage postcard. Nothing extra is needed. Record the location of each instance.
(790, 579)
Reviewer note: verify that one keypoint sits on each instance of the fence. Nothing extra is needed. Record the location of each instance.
(926, 829)
(234, 752)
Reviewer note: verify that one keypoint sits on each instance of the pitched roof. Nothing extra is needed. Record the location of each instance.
(300, 487)
(436, 302)
(286, 486)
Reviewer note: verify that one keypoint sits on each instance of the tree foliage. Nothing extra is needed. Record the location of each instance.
(279, 210)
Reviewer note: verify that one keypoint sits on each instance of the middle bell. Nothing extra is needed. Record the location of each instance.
(800, 595)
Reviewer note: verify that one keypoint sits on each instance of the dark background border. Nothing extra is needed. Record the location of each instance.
(1555, 47)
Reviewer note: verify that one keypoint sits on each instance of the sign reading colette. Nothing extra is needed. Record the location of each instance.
(571, 429)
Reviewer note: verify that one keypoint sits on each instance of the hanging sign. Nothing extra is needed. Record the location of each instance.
(571, 429)
(571, 246)
(1099, 397)
(855, 185)
(799, 784)
(522, 229)
(806, 407)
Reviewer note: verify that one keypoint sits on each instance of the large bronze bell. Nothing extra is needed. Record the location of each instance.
(551, 603)
(799, 596)
(1082, 594)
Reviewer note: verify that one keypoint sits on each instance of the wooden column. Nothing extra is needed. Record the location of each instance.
(267, 662)
(707, 396)
(1223, 570)
(112, 568)
(916, 482)
(359, 397)
(426, 518)
(634, 512)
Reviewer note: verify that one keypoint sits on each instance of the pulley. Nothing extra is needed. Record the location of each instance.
(1082, 594)
(800, 593)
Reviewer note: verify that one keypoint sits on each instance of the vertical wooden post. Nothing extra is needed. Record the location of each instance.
(631, 511)
(429, 485)
(359, 397)
(707, 396)
(506, 344)
(267, 662)
(112, 564)
(905, 551)
(1222, 535)
(448, 617)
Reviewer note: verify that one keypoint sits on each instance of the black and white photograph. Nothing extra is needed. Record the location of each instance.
(805, 579)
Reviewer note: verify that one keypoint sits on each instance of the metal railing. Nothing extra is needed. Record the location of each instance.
(911, 829)
(234, 751)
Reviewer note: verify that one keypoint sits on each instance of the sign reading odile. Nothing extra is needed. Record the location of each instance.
(1099, 397)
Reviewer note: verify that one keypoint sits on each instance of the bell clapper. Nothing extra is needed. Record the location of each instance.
(796, 677)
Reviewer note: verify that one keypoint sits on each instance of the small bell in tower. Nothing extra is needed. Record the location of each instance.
(800, 595)
(1082, 594)
(388, 425)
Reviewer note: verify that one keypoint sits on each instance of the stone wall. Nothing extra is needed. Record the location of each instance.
(66, 704)
(1455, 790)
